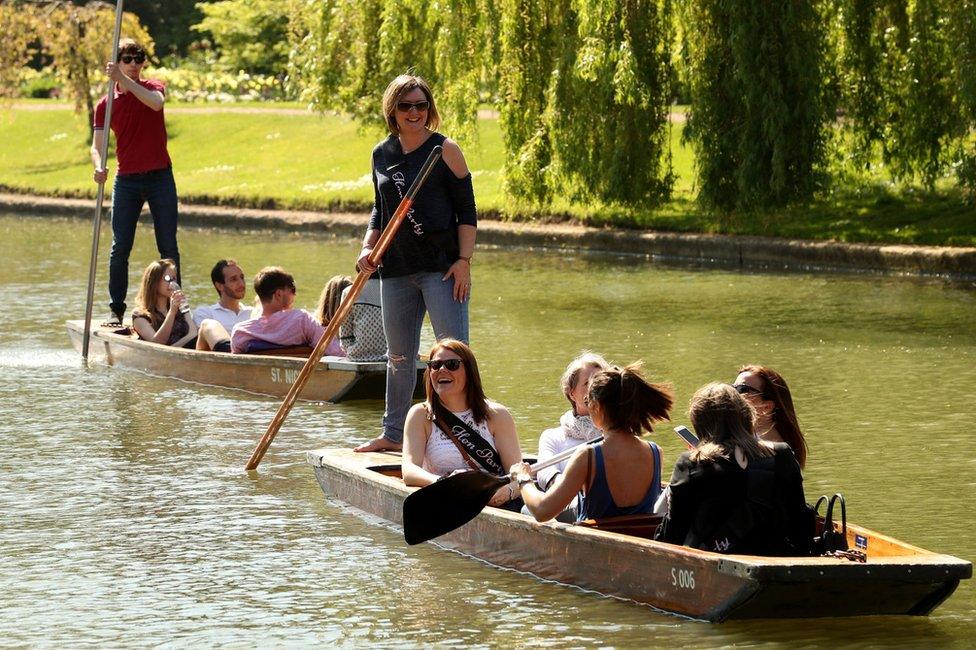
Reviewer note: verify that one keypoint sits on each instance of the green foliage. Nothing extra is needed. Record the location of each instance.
(38, 84)
(758, 101)
(169, 22)
(250, 35)
(190, 85)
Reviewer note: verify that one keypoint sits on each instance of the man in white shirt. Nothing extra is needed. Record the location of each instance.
(228, 280)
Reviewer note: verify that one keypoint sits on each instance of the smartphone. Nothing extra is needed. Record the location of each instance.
(690, 439)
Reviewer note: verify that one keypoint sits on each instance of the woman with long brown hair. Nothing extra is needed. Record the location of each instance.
(622, 474)
(767, 392)
(734, 493)
(457, 428)
(157, 317)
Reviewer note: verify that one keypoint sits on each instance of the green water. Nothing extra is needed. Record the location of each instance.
(127, 518)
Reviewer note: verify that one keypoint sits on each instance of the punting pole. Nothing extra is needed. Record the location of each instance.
(103, 153)
(386, 238)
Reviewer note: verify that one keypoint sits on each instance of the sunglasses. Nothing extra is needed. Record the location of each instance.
(449, 364)
(746, 389)
(404, 107)
(129, 58)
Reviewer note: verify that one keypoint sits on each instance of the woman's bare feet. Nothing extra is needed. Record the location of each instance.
(379, 444)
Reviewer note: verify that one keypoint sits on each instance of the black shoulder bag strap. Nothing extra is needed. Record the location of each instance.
(473, 448)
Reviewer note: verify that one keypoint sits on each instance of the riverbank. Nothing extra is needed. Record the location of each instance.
(725, 250)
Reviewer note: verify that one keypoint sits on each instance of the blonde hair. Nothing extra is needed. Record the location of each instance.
(149, 288)
(331, 298)
(571, 375)
(400, 87)
(723, 420)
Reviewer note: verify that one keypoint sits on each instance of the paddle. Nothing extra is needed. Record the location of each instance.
(451, 502)
(386, 238)
(103, 154)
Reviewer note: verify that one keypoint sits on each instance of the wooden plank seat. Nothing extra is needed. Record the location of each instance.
(642, 526)
(291, 351)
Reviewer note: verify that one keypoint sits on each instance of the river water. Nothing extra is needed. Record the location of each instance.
(127, 518)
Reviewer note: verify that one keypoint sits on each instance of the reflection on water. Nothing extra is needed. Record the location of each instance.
(125, 508)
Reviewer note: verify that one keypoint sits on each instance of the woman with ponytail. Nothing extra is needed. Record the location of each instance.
(622, 474)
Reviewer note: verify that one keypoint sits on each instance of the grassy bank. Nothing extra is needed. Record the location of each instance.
(309, 161)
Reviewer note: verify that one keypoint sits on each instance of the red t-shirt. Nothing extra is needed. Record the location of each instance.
(139, 130)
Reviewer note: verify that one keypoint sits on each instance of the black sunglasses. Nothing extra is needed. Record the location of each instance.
(450, 364)
(746, 389)
(404, 107)
(129, 58)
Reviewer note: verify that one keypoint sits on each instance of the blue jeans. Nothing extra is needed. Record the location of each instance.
(405, 301)
(129, 194)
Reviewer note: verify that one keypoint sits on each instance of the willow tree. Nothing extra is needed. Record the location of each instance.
(759, 114)
(15, 46)
(962, 32)
(351, 49)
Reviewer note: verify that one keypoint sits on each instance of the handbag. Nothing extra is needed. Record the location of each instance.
(831, 540)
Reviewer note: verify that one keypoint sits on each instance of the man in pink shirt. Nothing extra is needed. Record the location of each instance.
(279, 325)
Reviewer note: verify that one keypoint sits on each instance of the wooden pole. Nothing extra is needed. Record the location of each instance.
(386, 238)
(103, 153)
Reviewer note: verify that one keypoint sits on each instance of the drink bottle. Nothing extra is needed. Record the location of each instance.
(174, 285)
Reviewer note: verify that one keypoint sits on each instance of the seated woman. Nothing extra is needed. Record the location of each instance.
(622, 474)
(361, 333)
(157, 316)
(735, 493)
(770, 397)
(456, 404)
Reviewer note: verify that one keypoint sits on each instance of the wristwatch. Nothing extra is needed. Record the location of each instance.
(523, 481)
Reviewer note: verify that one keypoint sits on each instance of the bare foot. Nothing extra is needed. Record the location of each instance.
(379, 444)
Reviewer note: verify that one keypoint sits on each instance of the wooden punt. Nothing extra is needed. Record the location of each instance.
(334, 380)
(616, 558)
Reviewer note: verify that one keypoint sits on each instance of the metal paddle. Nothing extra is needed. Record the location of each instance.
(383, 243)
(453, 501)
(97, 221)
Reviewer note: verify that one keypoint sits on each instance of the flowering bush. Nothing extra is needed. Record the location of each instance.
(189, 85)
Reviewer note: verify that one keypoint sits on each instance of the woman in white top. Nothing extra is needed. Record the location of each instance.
(453, 386)
(575, 426)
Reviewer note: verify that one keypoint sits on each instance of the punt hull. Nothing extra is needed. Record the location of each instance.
(334, 379)
(697, 584)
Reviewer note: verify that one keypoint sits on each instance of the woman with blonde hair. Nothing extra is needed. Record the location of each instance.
(735, 493)
(622, 474)
(427, 268)
(361, 333)
(158, 318)
(457, 428)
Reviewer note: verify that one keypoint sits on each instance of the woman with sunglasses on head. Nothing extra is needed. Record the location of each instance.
(457, 428)
(767, 392)
(622, 474)
(427, 268)
(162, 314)
(735, 493)
(145, 171)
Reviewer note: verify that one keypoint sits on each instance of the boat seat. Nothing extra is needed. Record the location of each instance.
(292, 351)
(635, 525)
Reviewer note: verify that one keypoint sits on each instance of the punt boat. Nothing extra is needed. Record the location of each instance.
(617, 557)
(335, 379)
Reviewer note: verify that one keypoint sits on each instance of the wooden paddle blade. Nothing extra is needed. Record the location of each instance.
(440, 507)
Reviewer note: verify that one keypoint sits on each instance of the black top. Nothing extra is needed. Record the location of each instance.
(427, 240)
(718, 506)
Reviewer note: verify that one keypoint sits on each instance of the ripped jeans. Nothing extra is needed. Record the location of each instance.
(405, 301)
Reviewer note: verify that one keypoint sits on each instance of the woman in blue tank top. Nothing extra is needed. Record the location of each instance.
(621, 475)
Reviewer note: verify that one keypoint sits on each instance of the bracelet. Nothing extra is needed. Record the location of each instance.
(466, 259)
(511, 492)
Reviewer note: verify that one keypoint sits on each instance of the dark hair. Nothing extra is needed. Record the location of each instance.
(270, 279)
(217, 272)
(628, 401)
(474, 392)
(129, 46)
(723, 420)
(400, 87)
(776, 391)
